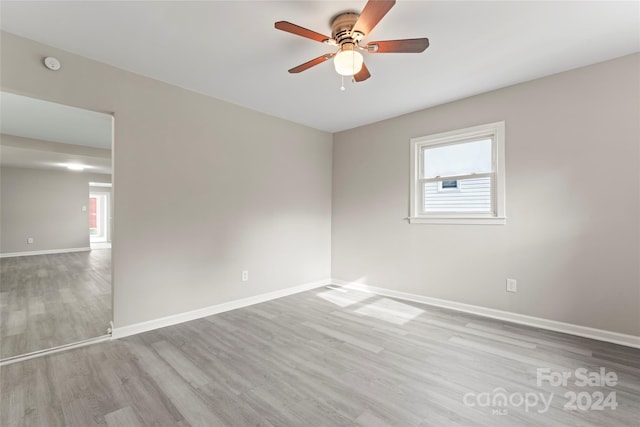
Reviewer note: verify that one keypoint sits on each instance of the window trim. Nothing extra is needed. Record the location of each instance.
(496, 131)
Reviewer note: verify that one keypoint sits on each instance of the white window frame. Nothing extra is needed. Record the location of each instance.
(495, 131)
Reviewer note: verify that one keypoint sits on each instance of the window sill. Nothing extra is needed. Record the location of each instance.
(458, 220)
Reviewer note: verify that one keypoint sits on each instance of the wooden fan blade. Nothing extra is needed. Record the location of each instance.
(312, 63)
(363, 74)
(300, 31)
(372, 13)
(398, 46)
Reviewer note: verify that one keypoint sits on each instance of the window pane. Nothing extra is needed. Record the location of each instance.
(474, 195)
(458, 159)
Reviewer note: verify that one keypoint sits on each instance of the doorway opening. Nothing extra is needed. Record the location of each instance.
(56, 289)
(100, 215)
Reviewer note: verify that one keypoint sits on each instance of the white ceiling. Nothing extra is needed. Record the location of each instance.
(47, 121)
(45, 135)
(230, 50)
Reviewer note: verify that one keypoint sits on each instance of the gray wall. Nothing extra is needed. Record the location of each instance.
(203, 189)
(573, 187)
(46, 205)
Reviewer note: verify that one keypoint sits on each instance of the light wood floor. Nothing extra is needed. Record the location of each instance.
(52, 300)
(320, 358)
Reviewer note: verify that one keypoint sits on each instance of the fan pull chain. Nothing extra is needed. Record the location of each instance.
(342, 88)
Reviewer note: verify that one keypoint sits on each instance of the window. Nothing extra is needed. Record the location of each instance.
(458, 177)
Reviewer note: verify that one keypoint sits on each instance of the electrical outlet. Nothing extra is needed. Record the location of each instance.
(512, 285)
(29, 240)
(245, 276)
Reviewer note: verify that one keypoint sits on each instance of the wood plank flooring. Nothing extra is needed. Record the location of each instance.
(52, 300)
(326, 357)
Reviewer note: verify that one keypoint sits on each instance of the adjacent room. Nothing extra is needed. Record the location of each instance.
(312, 213)
(55, 193)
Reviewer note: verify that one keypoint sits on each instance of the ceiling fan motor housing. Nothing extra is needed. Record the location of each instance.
(341, 29)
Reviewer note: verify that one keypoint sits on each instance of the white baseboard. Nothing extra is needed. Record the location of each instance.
(58, 349)
(137, 328)
(536, 322)
(45, 252)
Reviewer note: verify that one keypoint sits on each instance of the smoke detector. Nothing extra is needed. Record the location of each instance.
(52, 63)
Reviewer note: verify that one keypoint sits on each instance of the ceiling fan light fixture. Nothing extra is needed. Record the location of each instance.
(348, 61)
(76, 167)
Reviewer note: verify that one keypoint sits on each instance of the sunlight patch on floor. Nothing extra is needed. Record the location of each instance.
(390, 311)
(343, 297)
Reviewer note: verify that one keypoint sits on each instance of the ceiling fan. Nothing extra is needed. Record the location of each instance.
(347, 31)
